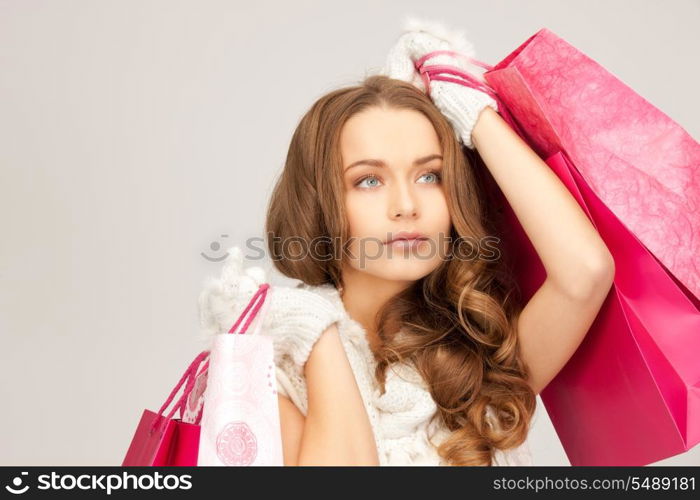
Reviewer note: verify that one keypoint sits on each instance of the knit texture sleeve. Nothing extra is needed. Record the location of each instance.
(295, 320)
(295, 317)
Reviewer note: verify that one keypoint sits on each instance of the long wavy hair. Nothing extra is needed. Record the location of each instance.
(457, 325)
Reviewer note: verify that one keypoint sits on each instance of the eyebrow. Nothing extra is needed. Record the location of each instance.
(382, 163)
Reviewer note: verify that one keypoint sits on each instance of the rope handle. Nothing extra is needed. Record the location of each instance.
(261, 294)
(189, 375)
(256, 303)
(435, 72)
(192, 371)
(201, 410)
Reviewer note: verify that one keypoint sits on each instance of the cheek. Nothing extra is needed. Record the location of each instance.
(362, 214)
(446, 218)
(439, 213)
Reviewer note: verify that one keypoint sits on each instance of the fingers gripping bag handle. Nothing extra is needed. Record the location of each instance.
(439, 72)
(240, 423)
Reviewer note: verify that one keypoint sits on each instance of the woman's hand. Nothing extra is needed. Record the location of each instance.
(461, 105)
(223, 299)
(337, 430)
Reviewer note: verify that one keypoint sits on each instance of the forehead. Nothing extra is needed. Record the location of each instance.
(387, 133)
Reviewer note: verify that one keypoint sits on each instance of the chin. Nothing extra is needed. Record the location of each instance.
(402, 269)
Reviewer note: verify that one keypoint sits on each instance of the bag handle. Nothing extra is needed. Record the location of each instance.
(433, 72)
(189, 375)
(193, 371)
(260, 297)
(257, 300)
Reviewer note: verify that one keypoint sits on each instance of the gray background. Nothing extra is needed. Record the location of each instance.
(136, 133)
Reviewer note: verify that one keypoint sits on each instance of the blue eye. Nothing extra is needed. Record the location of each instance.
(367, 178)
(434, 174)
(372, 178)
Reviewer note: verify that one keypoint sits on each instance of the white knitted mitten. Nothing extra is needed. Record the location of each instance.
(294, 318)
(461, 105)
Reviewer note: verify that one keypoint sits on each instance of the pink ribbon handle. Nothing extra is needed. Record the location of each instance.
(189, 375)
(258, 299)
(193, 371)
(436, 72)
(256, 303)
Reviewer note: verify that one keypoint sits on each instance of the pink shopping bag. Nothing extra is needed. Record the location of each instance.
(240, 424)
(163, 440)
(642, 165)
(228, 410)
(630, 395)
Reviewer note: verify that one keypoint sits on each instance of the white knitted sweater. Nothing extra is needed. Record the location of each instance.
(399, 417)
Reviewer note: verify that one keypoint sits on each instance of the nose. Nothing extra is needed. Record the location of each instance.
(403, 203)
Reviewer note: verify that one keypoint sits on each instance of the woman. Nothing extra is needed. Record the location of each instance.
(406, 343)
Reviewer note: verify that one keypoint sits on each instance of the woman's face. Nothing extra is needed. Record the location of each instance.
(401, 195)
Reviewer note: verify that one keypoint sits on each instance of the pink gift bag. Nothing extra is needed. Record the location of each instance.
(228, 410)
(630, 395)
(163, 440)
(642, 165)
(240, 422)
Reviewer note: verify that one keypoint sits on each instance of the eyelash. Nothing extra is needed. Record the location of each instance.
(372, 176)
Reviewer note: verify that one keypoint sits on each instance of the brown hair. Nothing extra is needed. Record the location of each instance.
(457, 324)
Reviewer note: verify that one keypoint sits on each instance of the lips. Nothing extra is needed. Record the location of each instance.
(406, 235)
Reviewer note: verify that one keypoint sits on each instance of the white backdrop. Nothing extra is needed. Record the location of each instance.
(138, 135)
